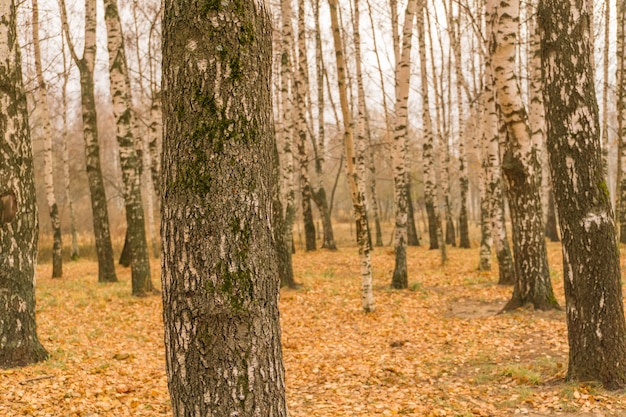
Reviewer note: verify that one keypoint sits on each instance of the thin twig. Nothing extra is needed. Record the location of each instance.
(39, 378)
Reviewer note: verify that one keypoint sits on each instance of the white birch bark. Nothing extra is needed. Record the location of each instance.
(86, 65)
(19, 227)
(620, 195)
(398, 157)
(302, 96)
(75, 253)
(357, 184)
(129, 160)
(493, 180)
(430, 181)
(46, 130)
(519, 164)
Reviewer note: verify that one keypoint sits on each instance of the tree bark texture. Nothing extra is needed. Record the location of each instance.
(412, 239)
(130, 161)
(19, 344)
(398, 159)
(220, 276)
(591, 267)
(493, 178)
(533, 283)
(104, 248)
(46, 131)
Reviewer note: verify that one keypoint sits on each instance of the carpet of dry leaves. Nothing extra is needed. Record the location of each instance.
(436, 349)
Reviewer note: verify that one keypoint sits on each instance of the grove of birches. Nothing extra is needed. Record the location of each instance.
(228, 137)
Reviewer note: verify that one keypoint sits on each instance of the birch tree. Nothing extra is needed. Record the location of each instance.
(19, 344)
(74, 253)
(219, 271)
(301, 93)
(494, 188)
(46, 132)
(532, 283)
(318, 193)
(129, 160)
(286, 140)
(398, 158)
(354, 157)
(591, 267)
(430, 181)
(104, 249)
(454, 31)
(620, 203)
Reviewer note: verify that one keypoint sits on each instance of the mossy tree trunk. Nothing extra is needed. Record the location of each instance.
(220, 275)
(19, 344)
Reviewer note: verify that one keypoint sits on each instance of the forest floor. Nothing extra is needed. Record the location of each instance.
(436, 349)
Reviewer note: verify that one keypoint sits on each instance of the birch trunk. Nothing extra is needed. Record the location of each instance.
(532, 283)
(605, 85)
(53, 208)
(129, 160)
(286, 146)
(302, 88)
(74, 254)
(319, 192)
(19, 344)
(430, 182)
(104, 249)
(454, 29)
(493, 179)
(620, 195)
(591, 265)
(219, 272)
(354, 158)
(372, 166)
(403, 79)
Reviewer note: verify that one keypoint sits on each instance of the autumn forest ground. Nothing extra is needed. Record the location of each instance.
(436, 349)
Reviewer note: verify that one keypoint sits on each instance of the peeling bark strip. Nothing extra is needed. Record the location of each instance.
(533, 283)
(19, 344)
(591, 268)
(8, 207)
(220, 276)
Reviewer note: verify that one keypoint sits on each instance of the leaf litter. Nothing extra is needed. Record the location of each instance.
(438, 348)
